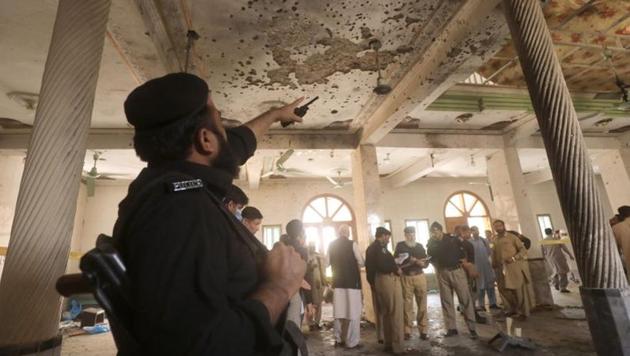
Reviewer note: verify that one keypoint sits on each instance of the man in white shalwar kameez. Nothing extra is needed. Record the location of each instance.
(346, 261)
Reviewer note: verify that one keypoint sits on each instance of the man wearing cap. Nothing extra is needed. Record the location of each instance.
(386, 275)
(447, 255)
(252, 219)
(201, 284)
(414, 283)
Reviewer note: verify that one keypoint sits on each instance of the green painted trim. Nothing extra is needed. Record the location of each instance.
(467, 102)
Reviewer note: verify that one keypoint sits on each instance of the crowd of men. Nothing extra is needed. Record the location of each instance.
(201, 283)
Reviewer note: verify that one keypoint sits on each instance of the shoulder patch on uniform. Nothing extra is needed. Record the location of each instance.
(184, 185)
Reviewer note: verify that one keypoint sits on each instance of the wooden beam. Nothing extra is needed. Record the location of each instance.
(473, 34)
(165, 45)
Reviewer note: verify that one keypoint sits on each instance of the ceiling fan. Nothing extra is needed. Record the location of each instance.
(337, 184)
(279, 171)
(90, 177)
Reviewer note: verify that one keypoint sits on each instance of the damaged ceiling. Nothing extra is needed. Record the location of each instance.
(258, 54)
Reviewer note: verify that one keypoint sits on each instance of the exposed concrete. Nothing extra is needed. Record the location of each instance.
(369, 210)
(510, 196)
(615, 177)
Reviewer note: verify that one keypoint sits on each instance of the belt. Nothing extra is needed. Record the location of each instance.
(413, 273)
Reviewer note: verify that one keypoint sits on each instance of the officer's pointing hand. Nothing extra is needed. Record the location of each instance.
(285, 268)
(286, 113)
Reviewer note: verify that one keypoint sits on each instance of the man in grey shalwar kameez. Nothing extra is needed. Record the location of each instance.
(487, 278)
(554, 254)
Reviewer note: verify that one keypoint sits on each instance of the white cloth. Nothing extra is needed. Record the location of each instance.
(347, 304)
(353, 332)
(294, 313)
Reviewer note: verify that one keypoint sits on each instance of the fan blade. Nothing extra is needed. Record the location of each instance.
(268, 174)
(285, 157)
(334, 182)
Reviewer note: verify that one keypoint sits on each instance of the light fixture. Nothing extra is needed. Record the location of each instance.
(380, 88)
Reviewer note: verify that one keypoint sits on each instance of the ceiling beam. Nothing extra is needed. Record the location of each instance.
(472, 35)
(422, 167)
(539, 176)
(123, 139)
(527, 127)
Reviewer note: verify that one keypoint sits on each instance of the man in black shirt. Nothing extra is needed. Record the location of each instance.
(447, 253)
(200, 283)
(414, 283)
(385, 276)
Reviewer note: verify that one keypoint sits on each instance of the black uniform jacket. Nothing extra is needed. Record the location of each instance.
(192, 265)
(378, 260)
(447, 252)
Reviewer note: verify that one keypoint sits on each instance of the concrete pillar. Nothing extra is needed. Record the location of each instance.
(615, 177)
(605, 292)
(511, 200)
(368, 207)
(11, 168)
(42, 228)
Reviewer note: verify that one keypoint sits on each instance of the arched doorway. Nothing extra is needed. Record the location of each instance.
(466, 208)
(322, 216)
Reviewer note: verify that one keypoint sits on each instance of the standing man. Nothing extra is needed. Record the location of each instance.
(447, 254)
(202, 284)
(316, 277)
(510, 256)
(252, 218)
(414, 283)
(554, 254)
(346, 261)
(235, 200)
(486, 279)
(385, 274)
(371, 255)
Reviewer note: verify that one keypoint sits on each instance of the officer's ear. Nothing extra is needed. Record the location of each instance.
(207, 142)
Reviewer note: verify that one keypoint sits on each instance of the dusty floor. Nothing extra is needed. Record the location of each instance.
(557, 332)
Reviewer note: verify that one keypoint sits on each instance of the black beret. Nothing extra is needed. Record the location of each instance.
(164, 100)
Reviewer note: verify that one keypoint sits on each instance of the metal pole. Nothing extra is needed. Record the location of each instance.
(42, 228)
(605, 289)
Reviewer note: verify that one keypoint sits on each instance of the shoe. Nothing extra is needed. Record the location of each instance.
(451, 332)
(339, 344)
(494, 306)
(473, 335)
(424, 336)
(381, 342)
(520, 318)
(557, 287)
(355, 347)
(565, 291)
(407, 336)
(480, 319)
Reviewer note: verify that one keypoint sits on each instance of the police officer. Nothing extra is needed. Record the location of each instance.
(414, 283)
(201, 284)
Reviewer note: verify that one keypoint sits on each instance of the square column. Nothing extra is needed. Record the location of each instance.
(511, 200)
(615, 176)
(368, 208)
(624, 153)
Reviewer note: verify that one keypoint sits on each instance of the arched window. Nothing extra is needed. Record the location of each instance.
(322, 217)
(466, 208)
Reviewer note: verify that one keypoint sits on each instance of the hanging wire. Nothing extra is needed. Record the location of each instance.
(192, 36)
